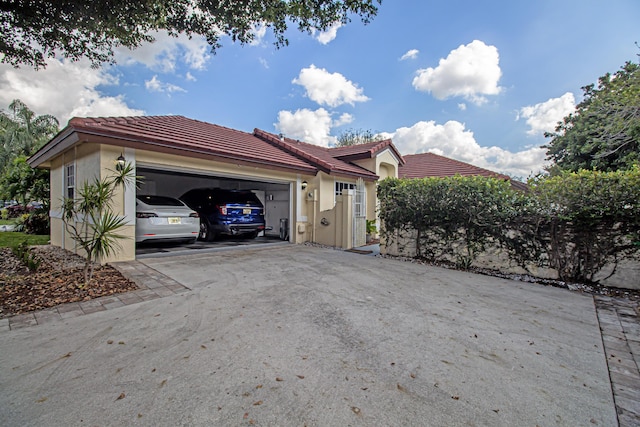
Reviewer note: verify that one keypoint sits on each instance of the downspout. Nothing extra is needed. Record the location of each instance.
(313, 227)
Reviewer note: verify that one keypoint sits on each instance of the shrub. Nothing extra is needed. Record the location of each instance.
(37, 222)
(575, 223)
(445, 211)
(26, 256)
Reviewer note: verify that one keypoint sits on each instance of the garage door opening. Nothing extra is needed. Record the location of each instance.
(274, 196)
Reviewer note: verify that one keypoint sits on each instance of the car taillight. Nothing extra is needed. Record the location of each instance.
(194, 215)
(222, 209)
(145, 215)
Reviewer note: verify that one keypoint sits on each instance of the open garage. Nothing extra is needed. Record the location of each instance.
(274, 195)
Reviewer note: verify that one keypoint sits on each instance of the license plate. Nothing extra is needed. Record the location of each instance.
(246, 211)
(174, 220)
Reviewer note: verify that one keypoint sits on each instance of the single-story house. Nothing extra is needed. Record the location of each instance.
(318, 194)
(322, 195)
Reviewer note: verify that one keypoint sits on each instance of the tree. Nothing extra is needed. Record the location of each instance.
(604, 131)
(90, 220)
(23, 183)
(22, 132)
(357, 137)
(31, 31)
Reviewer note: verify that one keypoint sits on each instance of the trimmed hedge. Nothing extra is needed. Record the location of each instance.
(574, 223)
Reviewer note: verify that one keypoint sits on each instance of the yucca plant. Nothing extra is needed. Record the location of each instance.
(90, 220)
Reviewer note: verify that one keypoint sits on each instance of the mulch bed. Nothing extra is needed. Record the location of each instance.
(58, 280)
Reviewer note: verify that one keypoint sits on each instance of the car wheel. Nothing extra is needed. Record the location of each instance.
(205, 232)
(253, 234)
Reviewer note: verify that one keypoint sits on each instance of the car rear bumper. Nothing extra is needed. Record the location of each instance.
(235, 229)
(146, 232)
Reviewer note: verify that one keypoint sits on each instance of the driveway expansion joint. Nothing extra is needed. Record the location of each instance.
(151, 285)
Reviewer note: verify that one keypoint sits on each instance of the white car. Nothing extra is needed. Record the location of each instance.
(165, 218)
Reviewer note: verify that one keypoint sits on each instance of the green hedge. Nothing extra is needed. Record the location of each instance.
(575, 223)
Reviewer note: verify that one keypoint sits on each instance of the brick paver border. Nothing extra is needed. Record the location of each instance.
(151, 285)
(620, 328)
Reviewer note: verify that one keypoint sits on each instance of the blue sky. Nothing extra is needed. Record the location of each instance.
(475, 81)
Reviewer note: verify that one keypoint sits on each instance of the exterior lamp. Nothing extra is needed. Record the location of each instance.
(120, 162)
(304, 184)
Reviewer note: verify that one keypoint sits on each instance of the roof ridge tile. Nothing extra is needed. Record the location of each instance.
(289, 147)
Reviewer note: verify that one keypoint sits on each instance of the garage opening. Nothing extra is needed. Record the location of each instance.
(274, 196)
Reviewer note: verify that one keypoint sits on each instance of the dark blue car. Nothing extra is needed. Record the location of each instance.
(226, 212)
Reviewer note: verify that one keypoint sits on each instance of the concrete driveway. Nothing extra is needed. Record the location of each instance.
(296, 335)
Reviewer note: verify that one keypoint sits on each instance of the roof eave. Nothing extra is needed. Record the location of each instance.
(73, 135)
(65, 139)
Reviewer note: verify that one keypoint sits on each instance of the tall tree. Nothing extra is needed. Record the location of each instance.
(22, 132)
(604, 131)
(356, 137)
(31, 31)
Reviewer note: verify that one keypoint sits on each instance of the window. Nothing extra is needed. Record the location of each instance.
(70, 180)
(340, 186)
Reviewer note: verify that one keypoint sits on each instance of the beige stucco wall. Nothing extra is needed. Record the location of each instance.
(385, 165)
(333, 226)
(91, 161)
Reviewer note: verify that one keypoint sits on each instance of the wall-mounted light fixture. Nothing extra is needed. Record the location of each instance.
(120, 162)
(304, 185)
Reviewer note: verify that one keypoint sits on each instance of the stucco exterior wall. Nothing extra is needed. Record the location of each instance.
(91, 161)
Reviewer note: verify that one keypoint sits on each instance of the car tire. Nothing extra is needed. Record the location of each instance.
(206, 234)
(253, 234)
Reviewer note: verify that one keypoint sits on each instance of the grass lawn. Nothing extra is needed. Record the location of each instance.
(12, 238)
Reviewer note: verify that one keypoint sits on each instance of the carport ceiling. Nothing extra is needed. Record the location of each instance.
(174, 182)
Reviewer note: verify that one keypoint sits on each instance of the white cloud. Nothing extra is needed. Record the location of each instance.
(411, 54)
(470, 71)
(164, 54)
(189, 77)
(344, 119)
(64, 89)
(310, 126)
(543, 117)
(259, 31)
(330, 34)
(462, 106)
(155, 85)
(454, 141)
(331, 89)
(264, 63)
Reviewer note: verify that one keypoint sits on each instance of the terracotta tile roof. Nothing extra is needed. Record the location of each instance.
(181, 135)
(365, 151)
(322, 157)
(426, 165)
(432, 165)
(188, 135)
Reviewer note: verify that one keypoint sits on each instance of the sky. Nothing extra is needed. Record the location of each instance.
(477, 81)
